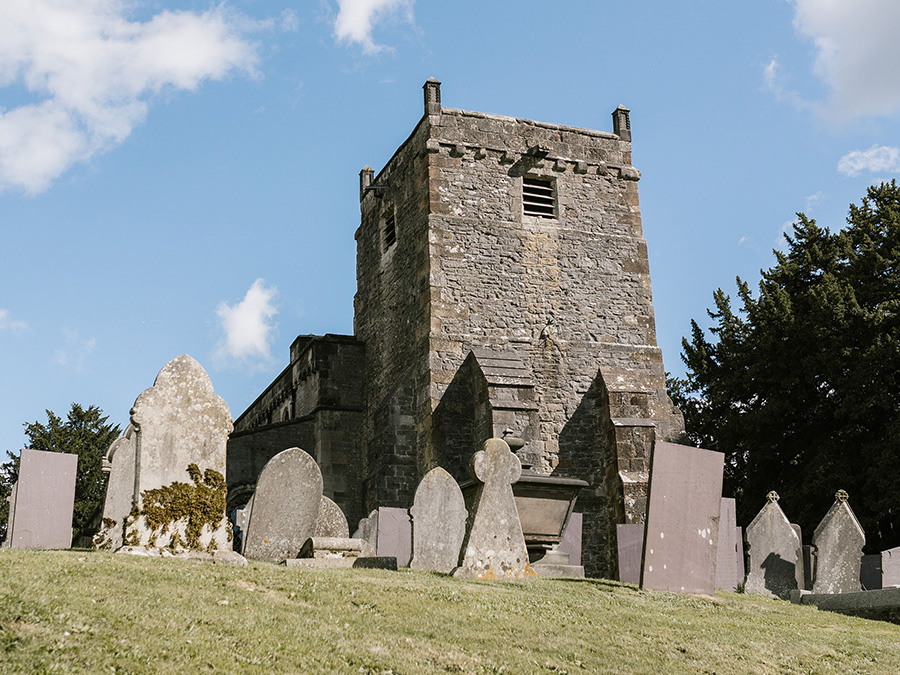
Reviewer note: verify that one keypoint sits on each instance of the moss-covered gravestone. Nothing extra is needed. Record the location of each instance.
(181, 428)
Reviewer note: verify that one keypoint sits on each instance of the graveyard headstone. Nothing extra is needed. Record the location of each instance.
(182, 429)
(41, 513)
(630, 544)
(285, 506)
(438, 522)
(776, 565)
(120, 458)
(331, 521)
(890, 568)
(494, 547)
(838, 541)
(727, 577)
(682, 529)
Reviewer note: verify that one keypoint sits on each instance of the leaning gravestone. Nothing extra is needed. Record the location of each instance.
(331, 522)
(838, 541)
(285, 507)
(494, 547)
(41, 510)
(182, 428)
(682, 530)
(776, 559)
(438, 522)
(119, 461)
(630, 546)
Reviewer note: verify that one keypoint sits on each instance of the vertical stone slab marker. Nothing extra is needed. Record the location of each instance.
(682, 530)
(120, 458)
(890, 568)
(776, 557)
(494, 547)
(182, 429)
(438, 522)
(331, 521)
(41, 513)
(630, 545)
(285, 507)
(727, 576)
(838, 542)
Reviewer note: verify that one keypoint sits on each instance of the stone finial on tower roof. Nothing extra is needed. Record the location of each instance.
(432, 96)
(366, 176)
(622, 123)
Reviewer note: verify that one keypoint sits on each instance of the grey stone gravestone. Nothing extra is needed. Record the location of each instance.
(727, 576)
(41, 513)
(182, 430)
(494, 547)
(438, 522)
(838, 540)
(741, 569)
(388, 531)
(331, 522)
(870, 572)
(571, 539)
(776, 564)
(120, 460)
(630, 545)
(682, 529)
(241, 520)
(890, 568)
(285, 506)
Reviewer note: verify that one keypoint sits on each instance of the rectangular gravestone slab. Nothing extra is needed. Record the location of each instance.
(870, 572)
(45, 496)
(394, 535)
(682, 529)
(741, 567)
(630, 543)
(890, 567)
(570, 542)
(727, 577)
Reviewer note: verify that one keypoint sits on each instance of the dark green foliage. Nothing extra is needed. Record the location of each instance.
(85, 432)
(800, 387)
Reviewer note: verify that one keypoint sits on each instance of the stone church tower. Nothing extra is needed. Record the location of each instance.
(503, 291)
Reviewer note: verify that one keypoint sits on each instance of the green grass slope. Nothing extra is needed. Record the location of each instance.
(91, 612)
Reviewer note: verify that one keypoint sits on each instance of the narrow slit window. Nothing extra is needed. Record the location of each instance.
(538, 197)
(389, 230)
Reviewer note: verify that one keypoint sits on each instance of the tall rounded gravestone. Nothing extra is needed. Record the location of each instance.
(285, 506)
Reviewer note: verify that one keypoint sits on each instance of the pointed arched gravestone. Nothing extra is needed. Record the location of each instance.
(838, 542)
(182, 429)
(776, 559)
(119, 491)
(494, 547)
(438, 522)
(331, 521)
(285, 506)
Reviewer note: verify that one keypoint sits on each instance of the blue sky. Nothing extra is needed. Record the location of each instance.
(182, 177)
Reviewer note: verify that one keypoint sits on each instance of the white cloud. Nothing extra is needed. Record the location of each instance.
(76, 350)
(878, 158)
(247, 325)
(857, 52)
(91, 72)
(356, 18)
(813, 200)
(787, 228)
(6, 323)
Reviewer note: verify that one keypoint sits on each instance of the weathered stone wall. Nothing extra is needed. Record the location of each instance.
(391, 318)
(314, 404)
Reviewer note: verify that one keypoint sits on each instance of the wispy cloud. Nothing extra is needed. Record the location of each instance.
(248, 326)
(356, 19)
(856, 50)
(76, 350)
(813, 200)
(786, 228)
(8, 323)
(91, 72)
(878, 158)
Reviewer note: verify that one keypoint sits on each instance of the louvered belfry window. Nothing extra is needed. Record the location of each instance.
(538, 198)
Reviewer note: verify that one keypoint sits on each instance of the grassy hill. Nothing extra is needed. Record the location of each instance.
(92, 612)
